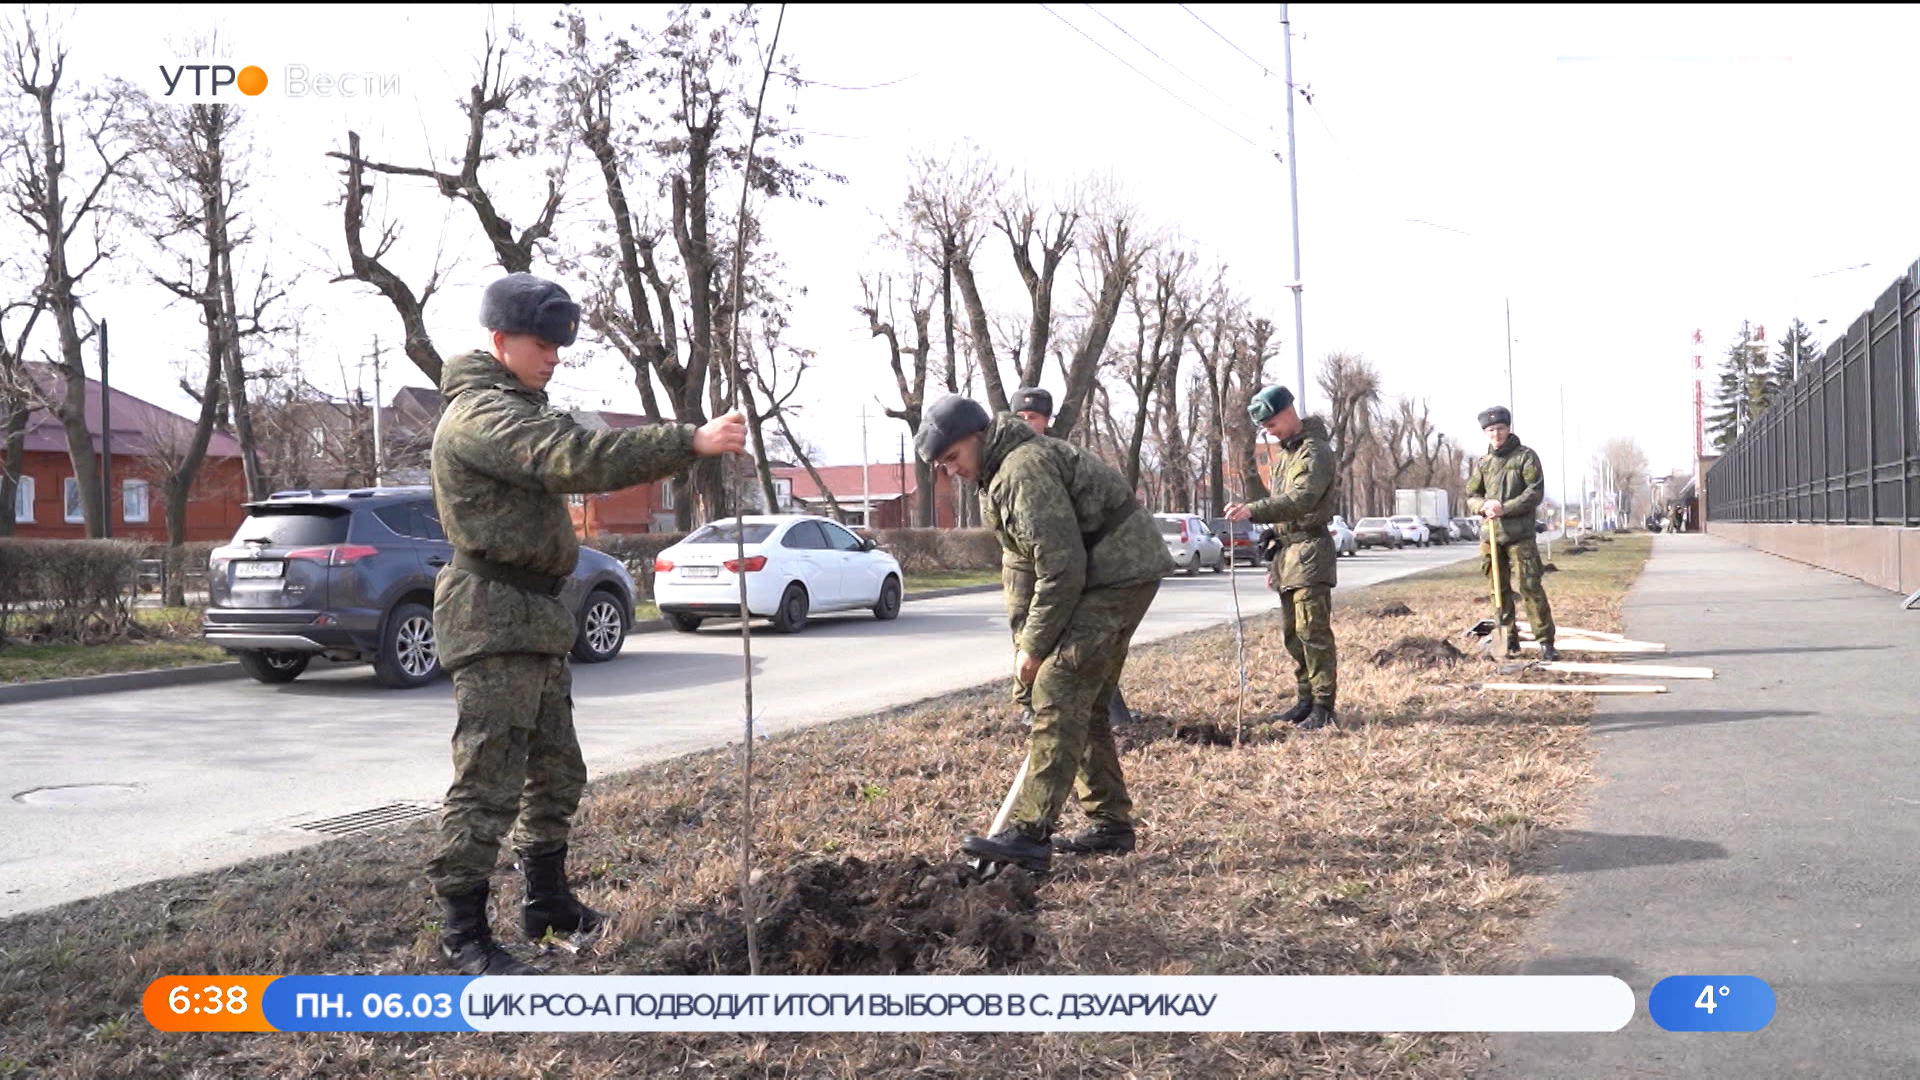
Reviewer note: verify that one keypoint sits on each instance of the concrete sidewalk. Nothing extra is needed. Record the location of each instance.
(1765, 823)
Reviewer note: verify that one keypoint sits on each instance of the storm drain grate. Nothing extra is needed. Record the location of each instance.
(366, 820)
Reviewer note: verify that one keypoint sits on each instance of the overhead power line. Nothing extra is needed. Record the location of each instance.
(1216, 121)
(1178, 70)
(1264, 70)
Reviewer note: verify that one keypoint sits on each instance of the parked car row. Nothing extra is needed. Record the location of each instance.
(1404, 530)
(349, 575)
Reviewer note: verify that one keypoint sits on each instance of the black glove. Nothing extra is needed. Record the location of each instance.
(1269, 542)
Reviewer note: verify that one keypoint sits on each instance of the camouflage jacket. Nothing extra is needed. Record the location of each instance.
(1067, 523)
(1512, 475)
(503, 463)
(1300, 507)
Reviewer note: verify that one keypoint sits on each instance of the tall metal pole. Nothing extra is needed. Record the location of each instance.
(1293, 191)
(1565, 493)
(106, 440)
(1510, 401)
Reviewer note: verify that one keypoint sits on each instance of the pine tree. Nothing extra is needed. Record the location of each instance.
(1797, 353)
(1746, 385)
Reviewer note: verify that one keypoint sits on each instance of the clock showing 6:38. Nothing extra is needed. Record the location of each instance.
(209, 1000)
(206, 1003)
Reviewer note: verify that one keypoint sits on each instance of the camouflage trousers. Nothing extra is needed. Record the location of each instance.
(1071, 746)
(1523, 556)
(1306, 623)
(516, 764)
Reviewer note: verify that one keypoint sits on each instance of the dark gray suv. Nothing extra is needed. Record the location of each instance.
(349, 575)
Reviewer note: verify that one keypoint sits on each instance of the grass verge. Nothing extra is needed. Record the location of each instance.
(950, 579)
(1401, 843)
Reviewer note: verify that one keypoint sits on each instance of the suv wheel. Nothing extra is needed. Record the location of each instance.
(792, 613)
(269, 666)
(602, 628)
(408, 655)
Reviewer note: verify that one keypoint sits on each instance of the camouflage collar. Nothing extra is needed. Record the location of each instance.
(480, 370)
(1006, 432)
(1507, 448)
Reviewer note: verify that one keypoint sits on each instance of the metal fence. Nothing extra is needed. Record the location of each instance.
(1841, 445)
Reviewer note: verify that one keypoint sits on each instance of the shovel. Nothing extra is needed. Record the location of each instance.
(985, 870)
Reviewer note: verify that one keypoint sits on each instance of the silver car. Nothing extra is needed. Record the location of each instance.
(1191, 543)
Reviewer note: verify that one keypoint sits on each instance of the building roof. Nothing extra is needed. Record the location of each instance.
(139, 427)
(846, 481)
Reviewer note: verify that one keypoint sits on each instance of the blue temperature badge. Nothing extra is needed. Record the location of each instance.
(1711, 1003)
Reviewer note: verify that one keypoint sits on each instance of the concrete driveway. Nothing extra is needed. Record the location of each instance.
(111, 790)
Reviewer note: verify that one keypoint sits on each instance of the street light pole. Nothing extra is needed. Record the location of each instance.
(1510, 401)
(1293, 191)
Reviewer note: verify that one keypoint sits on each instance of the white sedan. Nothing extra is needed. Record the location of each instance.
(1411, 529)
(795, 566)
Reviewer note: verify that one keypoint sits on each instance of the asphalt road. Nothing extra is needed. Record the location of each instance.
(197, 777)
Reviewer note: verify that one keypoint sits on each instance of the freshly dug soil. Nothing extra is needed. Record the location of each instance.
(1418, 651)
(853, 917)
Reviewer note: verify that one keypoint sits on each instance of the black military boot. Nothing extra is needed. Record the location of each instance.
(1513, 642)
(1548, 653)
(467, 943)
(1014, 844)
(1296, 714)
(550, 905)
(1321, 716)
(1105, 838)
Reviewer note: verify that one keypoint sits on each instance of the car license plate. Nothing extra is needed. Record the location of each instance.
(700, 571)
(259, 568)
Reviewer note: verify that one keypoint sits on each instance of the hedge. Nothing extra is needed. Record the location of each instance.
(69, 590)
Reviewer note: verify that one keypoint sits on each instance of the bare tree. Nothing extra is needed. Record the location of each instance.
(1117, 252)
(604, 89)
(369, 265)
(1160, 332)
(945, 203)
(16, 403)
(1627, 467)
(912, 387)
(1352, 391)
(35, 66)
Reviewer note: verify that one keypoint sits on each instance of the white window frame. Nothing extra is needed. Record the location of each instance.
(128, 488)
(70, 499)
(666, 496)
(23, 501)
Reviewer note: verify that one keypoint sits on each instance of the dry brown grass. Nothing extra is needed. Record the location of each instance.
(1401, 843)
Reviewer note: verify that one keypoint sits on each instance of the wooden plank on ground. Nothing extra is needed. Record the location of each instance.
(1622, 647)
(1598, 635)
(1573, 688)
(1651, 671)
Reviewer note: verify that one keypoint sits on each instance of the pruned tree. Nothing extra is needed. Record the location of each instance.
(1351, 389)
(910, 377)
(491, 111)
(1626, 469)
(1161, 310)
(34, 66)
(1039, 238)
(945, 204)
(1116, 250)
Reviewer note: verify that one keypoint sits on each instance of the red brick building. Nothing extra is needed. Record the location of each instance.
(891, 486)
(642, 508)
(145, 438)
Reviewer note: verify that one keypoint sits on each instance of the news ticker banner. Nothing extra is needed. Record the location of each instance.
(1358, 1003)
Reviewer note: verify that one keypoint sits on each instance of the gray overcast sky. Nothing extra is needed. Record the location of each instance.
(1623, 175)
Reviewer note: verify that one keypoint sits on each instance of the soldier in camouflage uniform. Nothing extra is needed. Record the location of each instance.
(1081, 562)
(1506, 487)
(504, 461)
(1303, 570)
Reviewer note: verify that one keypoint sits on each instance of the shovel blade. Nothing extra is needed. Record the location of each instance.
(1482, 628)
